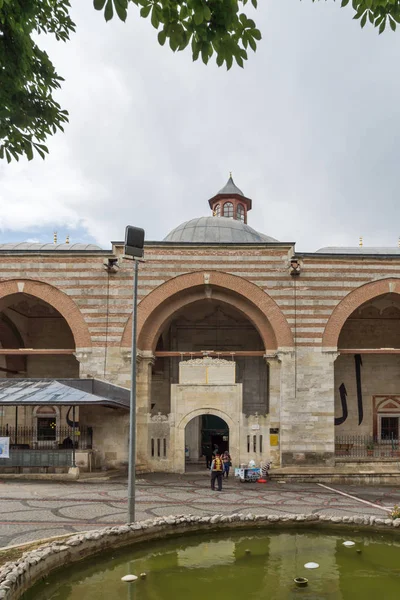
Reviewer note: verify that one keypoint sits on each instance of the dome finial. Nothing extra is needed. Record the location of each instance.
(230, 174)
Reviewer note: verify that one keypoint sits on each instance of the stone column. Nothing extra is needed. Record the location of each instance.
(307, 407)
(145, 361)
(90, 362)
(274, 366)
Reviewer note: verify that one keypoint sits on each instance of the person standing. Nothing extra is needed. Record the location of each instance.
(216, 472)
(227, 462)
(208, 454)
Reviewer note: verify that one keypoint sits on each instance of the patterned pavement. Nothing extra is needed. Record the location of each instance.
(31, 510)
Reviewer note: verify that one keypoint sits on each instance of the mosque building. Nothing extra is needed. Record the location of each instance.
(243, 342)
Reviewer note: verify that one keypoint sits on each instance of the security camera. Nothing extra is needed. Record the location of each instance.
(111, 265)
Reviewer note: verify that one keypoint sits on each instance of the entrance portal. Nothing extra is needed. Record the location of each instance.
(203, 435)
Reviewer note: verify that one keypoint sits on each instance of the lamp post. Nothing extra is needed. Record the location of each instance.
(134, 243)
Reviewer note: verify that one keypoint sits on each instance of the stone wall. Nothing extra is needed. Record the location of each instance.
(307, 407)
(98, 305)
(110, 434)
(379, 376)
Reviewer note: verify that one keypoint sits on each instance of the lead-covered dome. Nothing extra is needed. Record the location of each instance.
(217, 230)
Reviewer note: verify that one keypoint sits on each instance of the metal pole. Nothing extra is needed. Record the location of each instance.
(132, 421)
(16, 425)
(73, 437)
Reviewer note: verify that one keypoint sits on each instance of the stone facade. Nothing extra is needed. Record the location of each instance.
(292, 339)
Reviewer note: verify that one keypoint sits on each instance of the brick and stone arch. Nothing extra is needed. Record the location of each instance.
(351, 302)
(158, 308)
(55, 298)
(232, 424)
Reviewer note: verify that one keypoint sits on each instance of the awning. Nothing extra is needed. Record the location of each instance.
(28, 392)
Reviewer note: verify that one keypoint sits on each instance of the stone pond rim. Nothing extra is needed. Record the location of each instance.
(18, 576)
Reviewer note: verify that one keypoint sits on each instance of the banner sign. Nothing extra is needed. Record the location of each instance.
(4, 447)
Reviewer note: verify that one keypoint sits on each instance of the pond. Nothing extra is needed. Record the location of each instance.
(236, 566)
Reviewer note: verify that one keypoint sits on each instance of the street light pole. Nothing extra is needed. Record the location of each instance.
(132, 421)
(134, 244)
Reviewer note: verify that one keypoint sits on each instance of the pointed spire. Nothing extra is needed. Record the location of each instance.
(230, 187)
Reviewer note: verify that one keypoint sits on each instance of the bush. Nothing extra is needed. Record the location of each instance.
(395, 514)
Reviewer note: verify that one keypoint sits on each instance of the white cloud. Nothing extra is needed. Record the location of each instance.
(308, 128)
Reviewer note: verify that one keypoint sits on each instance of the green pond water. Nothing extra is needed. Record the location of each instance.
(208, 567)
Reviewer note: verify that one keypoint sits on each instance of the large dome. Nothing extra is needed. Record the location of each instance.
(216, 230)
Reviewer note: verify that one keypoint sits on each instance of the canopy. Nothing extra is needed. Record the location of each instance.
(66, 392)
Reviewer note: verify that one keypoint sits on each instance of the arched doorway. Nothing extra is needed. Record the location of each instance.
(204, 434)
(367, 375)
(178, 434)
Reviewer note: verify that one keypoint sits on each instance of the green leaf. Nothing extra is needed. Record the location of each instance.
(109, 12)
(29, 151)
(344, 3)
(256, 34)
(382, 26)
(121, 7)
(154, 17)
(207, 13)
(198, 18)
(162, 36)
(392, 24)
(99, 4)
(145, 11)
(364, 19)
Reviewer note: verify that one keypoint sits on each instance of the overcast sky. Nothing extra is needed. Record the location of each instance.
(309, 128)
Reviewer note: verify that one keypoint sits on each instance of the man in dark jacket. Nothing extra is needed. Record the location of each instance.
(216, 472)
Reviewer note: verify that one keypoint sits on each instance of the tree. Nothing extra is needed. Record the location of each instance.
(28, 111)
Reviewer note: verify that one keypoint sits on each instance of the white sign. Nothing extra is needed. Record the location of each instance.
(4, 447)
(255, 427)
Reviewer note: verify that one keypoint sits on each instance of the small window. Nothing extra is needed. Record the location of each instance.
(254, 443)
(228, 209)
(217, 210)
(261, 444)
(158, 447)
(240, 212)
(46, 429)
(248, 443)
(165, 447)
(152, 447)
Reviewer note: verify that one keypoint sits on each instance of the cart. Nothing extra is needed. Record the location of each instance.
(248, 474)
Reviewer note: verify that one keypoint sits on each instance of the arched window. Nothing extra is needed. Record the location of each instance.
(228, 209)
(217, 210)
(240, 212)
(46, 423)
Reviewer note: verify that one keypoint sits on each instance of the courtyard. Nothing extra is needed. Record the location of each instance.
(31, 510)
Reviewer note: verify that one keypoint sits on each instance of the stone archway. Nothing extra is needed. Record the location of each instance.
(159, 306)
(57, 299)
(178, 439)
(350, 303)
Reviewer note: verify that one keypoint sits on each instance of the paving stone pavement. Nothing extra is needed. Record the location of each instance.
(30, 510)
